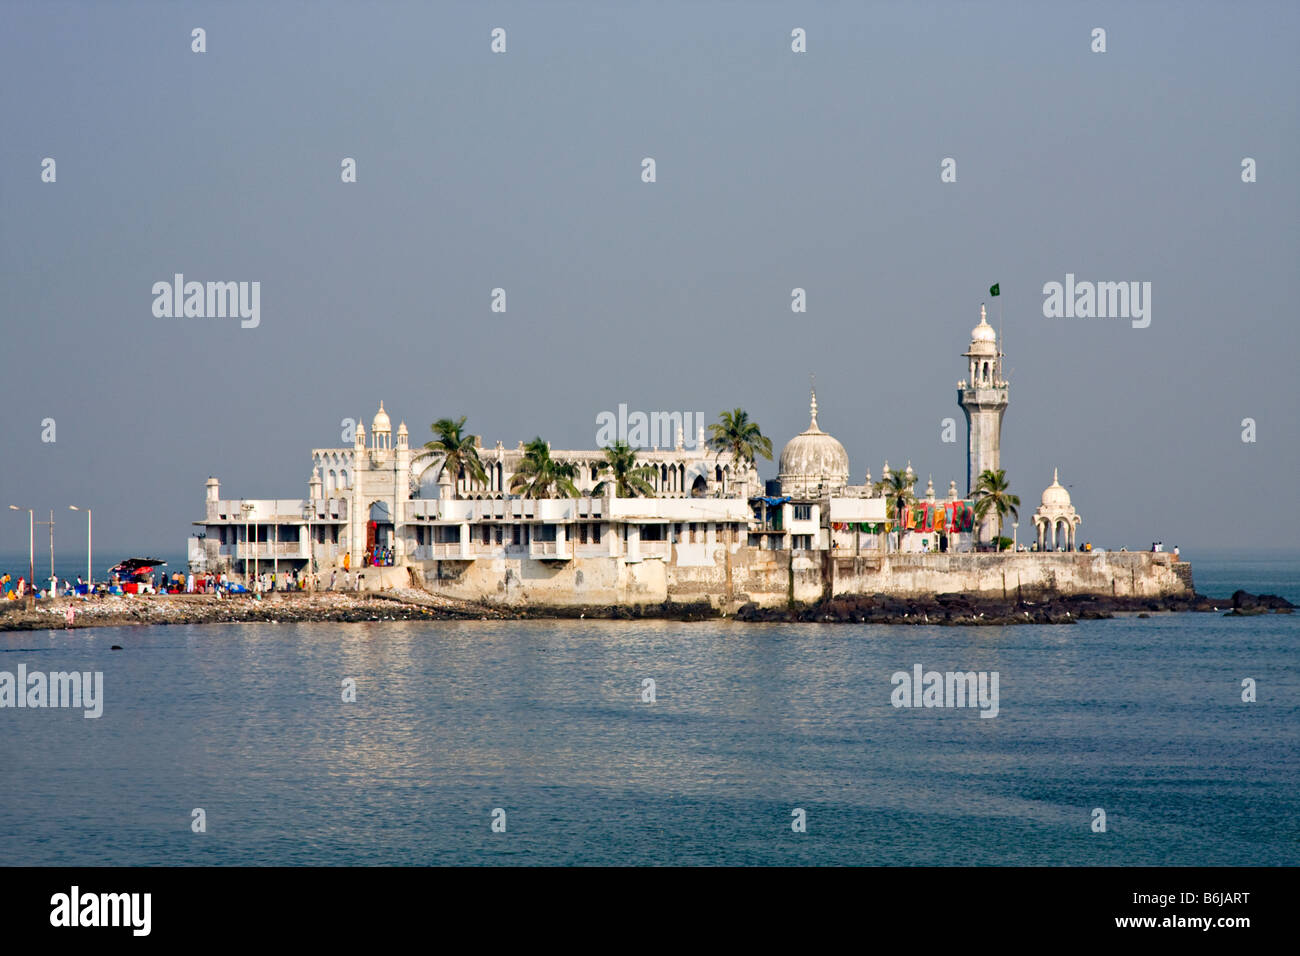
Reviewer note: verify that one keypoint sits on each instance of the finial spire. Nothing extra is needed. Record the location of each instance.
(813, 405)
(983, 320)
(1055, 480)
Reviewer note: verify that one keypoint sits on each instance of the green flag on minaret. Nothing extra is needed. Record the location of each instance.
(994, 289)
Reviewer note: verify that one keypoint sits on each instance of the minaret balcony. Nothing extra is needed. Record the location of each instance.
(983, 395)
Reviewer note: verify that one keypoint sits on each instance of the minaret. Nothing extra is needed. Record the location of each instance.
(983, 397)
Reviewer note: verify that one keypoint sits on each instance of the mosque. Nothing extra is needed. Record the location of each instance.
(392, 513)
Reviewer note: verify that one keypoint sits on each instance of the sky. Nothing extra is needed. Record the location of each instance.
(774, 170)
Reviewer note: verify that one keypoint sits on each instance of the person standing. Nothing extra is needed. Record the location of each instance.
(333, 577)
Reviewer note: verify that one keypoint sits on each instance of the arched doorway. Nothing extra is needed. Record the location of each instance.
(380, 543)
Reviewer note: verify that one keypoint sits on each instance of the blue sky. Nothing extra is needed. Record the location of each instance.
(775, 170)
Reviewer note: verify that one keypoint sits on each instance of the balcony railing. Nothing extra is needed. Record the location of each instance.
(549, 549)
(262, 550)
(449, 551)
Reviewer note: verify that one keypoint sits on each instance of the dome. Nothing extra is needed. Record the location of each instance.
(1055, 496)
(983, 338)
(401, 429)
(381, 422)
(812, 459)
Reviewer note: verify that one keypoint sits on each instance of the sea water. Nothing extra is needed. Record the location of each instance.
(547, 729)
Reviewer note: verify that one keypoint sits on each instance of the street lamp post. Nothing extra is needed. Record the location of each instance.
(311, 540)
(247, 509)
(90, 520)
(31, 552)
(1015, 536)
(50, 523)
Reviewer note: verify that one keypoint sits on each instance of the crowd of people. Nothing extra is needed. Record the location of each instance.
(209, 582)
(13, 589)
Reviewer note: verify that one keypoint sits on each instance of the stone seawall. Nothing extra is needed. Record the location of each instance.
(778, 578)
(1029, 574)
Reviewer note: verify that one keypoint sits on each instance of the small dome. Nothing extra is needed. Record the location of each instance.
(381, 422)
(1055, 496)
(983, 338)
(401, 429)
(813, 459)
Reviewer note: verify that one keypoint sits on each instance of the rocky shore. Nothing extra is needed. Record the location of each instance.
(332, 606)
(964, 609)
(413, 605)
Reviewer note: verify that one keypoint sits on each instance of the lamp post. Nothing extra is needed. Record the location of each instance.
(50, 523)
(90, 520)
(1015, 536)
(311, 540)
(247, 509)
(31, 552)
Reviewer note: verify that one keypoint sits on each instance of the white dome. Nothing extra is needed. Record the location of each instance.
(1055, 496)
(381, 422)
(983, 339)
(813, 461)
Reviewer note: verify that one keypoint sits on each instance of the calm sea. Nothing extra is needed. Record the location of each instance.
(1142, 718)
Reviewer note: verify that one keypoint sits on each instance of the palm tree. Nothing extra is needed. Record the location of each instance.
(458, 452)
(538, 474)
(734, 432)
(897, 488)
(991, 495)
(629, 480)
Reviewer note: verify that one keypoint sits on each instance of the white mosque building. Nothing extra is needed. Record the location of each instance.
(376, 504)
